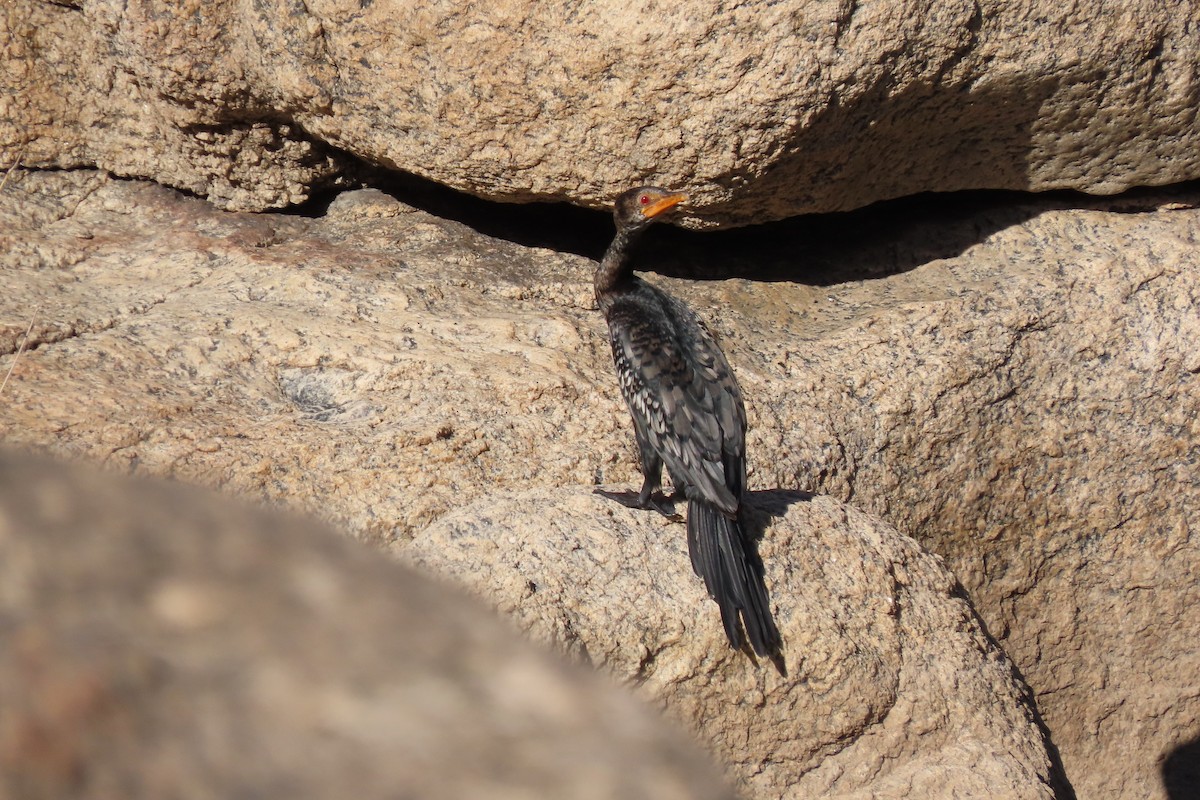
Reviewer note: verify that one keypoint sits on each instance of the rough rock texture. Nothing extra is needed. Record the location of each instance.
(377, 383)
(892, 688)
(1045, 440)
(1021, 396)
(168, 91)
(159, 642)
(759, 110)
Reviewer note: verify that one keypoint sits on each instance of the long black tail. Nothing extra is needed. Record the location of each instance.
(733, 575)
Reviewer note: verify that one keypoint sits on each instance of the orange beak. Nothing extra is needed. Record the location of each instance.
(663, 204)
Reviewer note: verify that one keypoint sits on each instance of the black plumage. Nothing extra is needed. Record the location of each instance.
(687, 415)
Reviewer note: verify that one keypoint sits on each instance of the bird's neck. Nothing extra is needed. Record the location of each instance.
(616, 268)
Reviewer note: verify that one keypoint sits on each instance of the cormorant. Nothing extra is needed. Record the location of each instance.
(688, 414)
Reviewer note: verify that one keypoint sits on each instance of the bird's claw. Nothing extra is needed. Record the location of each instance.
(656, 502)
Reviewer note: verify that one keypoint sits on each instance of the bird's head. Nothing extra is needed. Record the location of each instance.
(637, 208)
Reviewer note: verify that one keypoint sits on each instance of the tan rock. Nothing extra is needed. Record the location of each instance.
(892, 689)
(1040, 433)
(165, 643)
(160, 91)
(377, 366)
(760, 111)
(1020, 395)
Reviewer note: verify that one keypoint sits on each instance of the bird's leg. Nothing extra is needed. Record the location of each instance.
(649, 498)
(652, 467)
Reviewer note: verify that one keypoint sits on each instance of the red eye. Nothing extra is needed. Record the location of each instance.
(644, 199)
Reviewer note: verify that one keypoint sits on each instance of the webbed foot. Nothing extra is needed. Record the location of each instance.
(656, 501)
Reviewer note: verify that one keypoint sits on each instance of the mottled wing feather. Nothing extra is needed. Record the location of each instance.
(729, 409)
(681, 393)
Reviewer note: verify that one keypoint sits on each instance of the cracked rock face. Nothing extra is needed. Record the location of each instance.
(1018, 394)
(160, 642)
(759, 111)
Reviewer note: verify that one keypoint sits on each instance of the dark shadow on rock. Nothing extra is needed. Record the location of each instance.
(1059, 783)
(1181, 771)
(758, 509)
(884, 238)
(825, 249)
(557, 226)
(762, 506)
